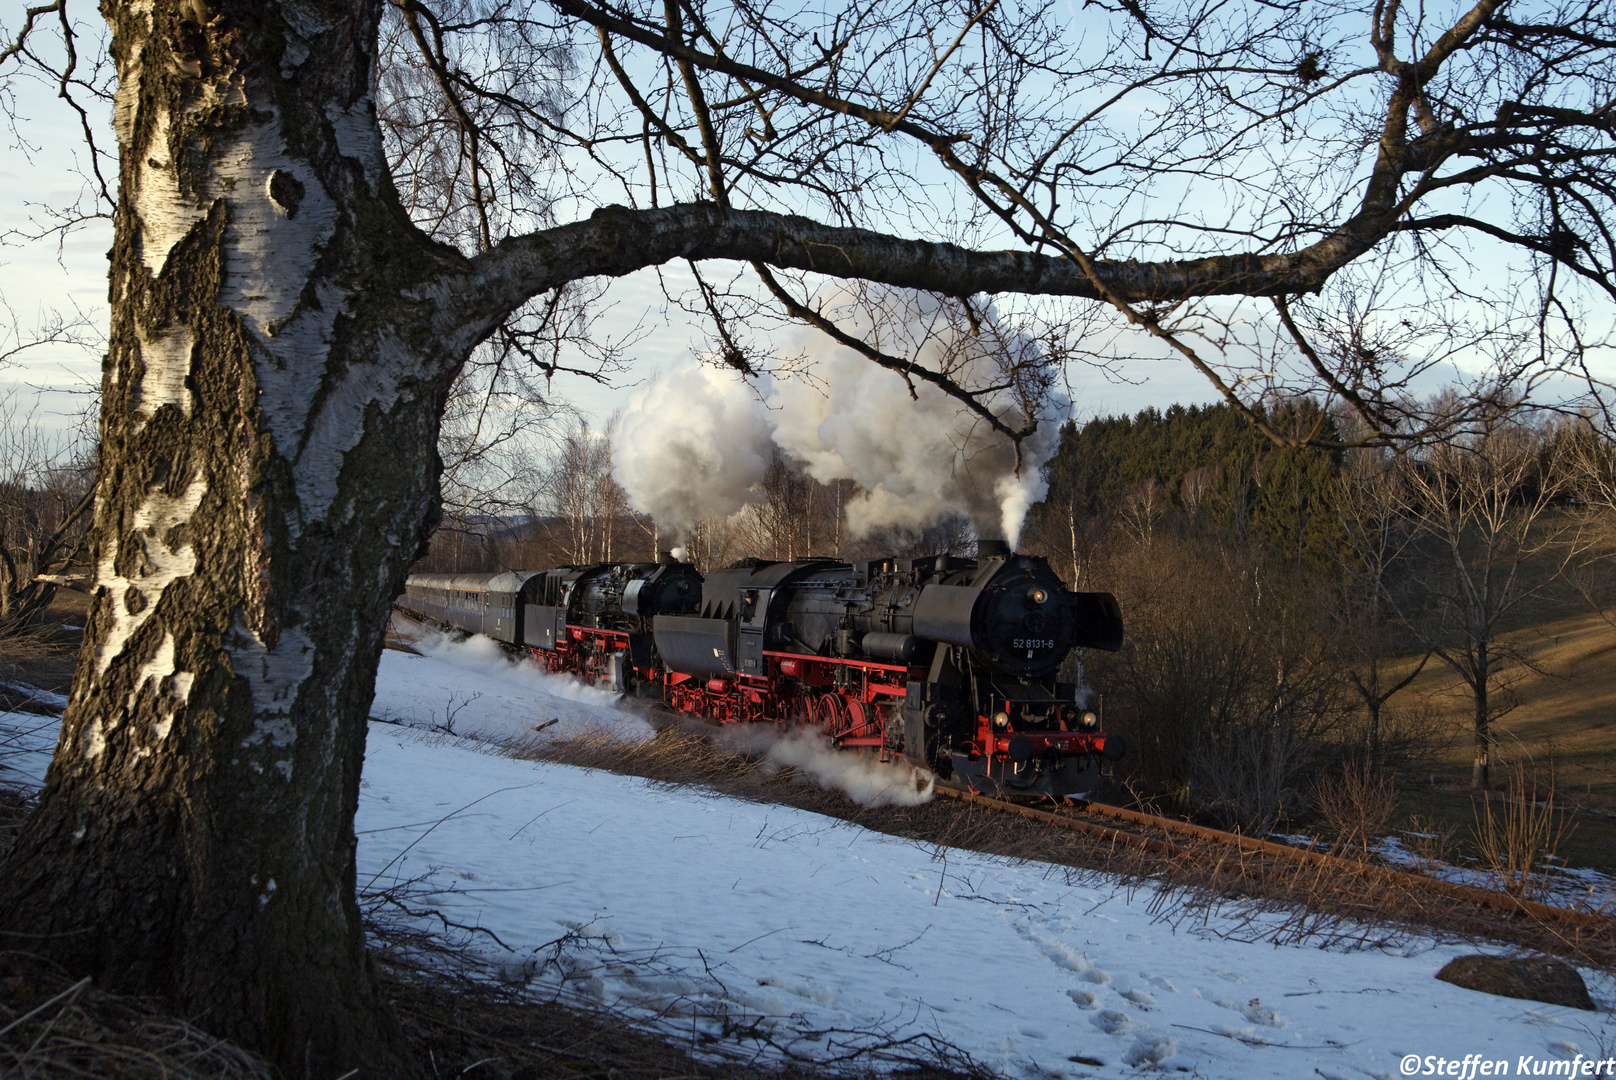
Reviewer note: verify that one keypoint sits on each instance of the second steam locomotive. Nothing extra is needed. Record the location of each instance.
(946, 662)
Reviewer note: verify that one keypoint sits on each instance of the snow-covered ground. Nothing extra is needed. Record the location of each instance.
(470, 687)
(702, 912)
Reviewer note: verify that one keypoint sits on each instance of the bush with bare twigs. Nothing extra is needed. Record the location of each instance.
(1430, 842)
(1356, 804)
(1519, 840)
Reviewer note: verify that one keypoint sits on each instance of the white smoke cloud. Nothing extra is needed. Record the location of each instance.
(862, 777)
(918, 457)
(691, 445)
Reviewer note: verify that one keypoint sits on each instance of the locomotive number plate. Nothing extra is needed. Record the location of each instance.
(1034, 643)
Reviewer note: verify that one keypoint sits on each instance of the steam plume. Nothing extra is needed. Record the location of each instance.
(918, 457)
(692, 444)
(689, 446)
(861, 777)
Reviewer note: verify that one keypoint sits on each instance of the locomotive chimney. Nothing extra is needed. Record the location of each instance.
(665, 557)
(987, 549)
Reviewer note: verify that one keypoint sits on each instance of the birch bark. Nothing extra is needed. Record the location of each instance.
(268, 431)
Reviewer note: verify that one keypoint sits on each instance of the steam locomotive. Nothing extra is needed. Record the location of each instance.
(946, 662)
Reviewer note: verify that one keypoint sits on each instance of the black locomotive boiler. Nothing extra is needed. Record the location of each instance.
(948, 663)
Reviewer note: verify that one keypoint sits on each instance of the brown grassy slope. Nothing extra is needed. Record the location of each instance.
(1563, 726)
(1565, 713)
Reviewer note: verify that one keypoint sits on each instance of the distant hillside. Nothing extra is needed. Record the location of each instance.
(1566, 716)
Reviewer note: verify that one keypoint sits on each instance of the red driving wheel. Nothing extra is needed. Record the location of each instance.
(857, 717)
(835, 721)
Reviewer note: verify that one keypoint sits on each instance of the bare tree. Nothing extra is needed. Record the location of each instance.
(780, 524)
(1378, 531)
(46, 488)
(291, 306)
(576, 487)
(1589, 456)
(47, 477)
(1487, 505)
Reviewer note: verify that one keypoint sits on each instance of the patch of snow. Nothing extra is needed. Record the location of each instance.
(1575, 887)
(474, 688)
(33, 693)
(1150, 1049)
(27, 741)
(1298, 840)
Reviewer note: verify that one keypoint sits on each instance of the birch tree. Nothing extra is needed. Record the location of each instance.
(576, 487)
(294, 291)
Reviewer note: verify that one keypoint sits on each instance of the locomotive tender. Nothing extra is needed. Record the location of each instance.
(946, 662)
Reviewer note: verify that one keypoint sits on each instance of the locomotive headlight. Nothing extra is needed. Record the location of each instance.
(1090, 720)
(1001, 720)
(1036, 595)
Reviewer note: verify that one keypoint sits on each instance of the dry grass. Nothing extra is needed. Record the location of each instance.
(1521, 839)
(37, 660)
(53, 1028)
(43, 656)
(1565, 709)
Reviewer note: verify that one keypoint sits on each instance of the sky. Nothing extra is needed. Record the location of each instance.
(51, 383)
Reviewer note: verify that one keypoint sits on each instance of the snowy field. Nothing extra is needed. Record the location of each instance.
(811, 936)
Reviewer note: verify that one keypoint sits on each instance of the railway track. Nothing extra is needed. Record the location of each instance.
(1166, 836)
